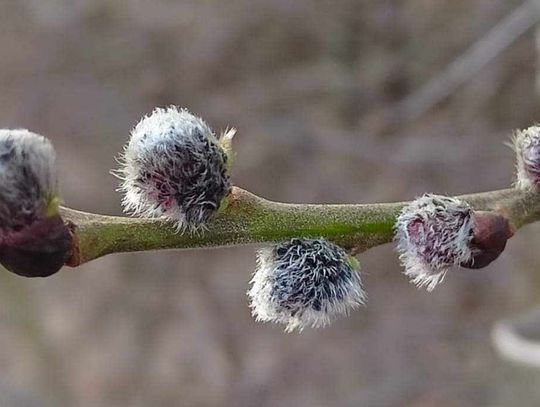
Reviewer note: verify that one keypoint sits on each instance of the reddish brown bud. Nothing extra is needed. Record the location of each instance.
(38, 250)
(490, 234)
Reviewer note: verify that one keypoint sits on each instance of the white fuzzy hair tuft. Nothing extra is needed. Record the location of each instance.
(173, 167)
(526, 144)
(433, 233)
(304, 282)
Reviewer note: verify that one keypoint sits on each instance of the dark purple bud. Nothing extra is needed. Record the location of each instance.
(38, 250)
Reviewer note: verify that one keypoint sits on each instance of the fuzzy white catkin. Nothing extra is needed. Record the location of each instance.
(28, 178)
(526, 144)
(304, 283)
(174, 167)
(432, 234)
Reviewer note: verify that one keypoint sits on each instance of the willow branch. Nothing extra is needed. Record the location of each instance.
(248, 219)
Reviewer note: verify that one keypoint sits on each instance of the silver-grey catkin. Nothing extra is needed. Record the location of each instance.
(304, 282)
(526, 144)
(433, 233)
(174, 167)
(28, 178)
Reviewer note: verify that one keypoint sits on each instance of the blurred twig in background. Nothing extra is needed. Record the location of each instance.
(518, 22)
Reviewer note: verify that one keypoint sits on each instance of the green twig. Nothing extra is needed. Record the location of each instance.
(248, 219)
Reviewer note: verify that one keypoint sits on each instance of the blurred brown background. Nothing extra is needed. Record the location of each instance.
(314, 89)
